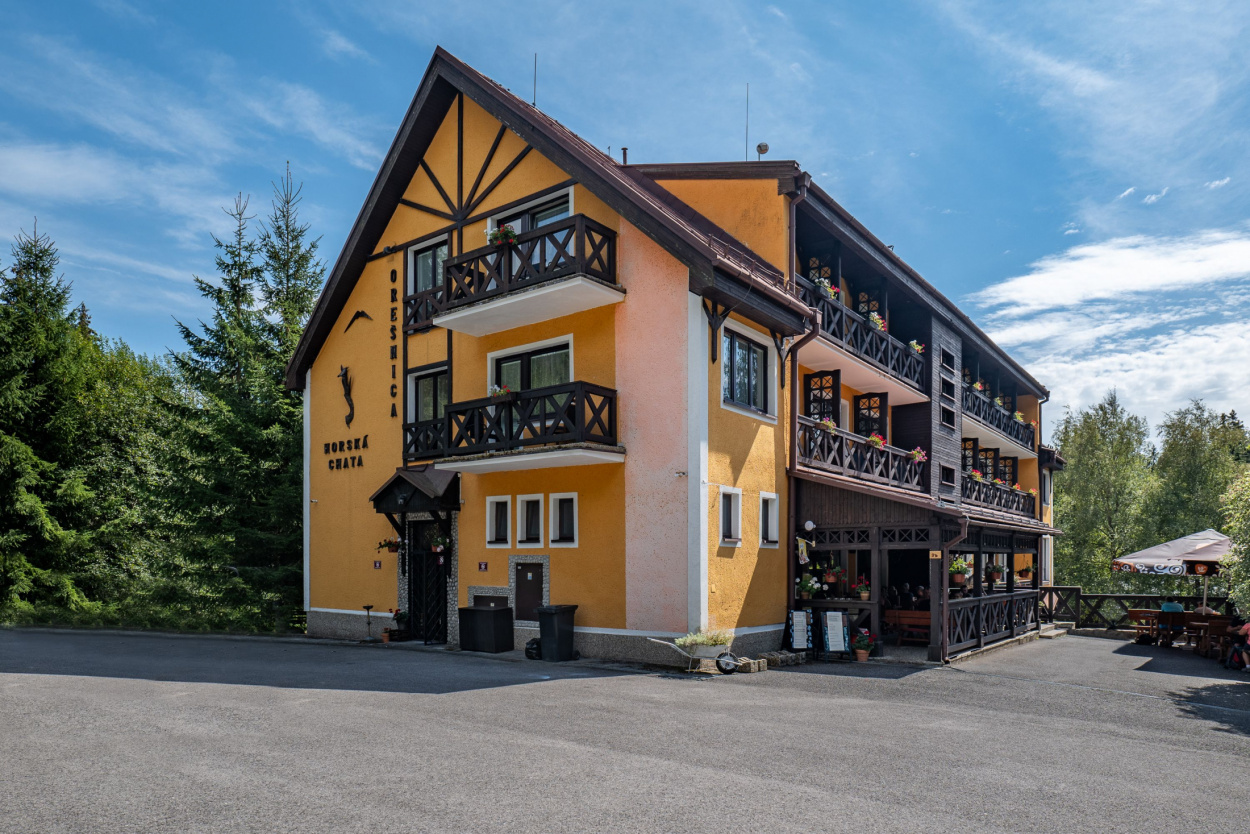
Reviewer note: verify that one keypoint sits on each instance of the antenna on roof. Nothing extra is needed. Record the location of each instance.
(746, 138)
(534, 102)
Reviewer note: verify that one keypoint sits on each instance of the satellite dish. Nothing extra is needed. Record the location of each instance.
(761, 148)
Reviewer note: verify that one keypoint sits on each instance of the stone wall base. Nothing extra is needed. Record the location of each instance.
(633, 648)
(333, 624)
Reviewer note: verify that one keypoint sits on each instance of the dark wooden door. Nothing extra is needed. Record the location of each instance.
(872, 415)
(529, 590)
(824, 396)
(427, 585)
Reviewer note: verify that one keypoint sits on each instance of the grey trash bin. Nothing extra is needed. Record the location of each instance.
(555, 631)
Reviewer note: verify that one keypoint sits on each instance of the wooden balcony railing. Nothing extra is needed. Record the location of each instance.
(1068, 603)
(997, 496)
(855, 334)
(576, 245)
(975, 622)
(844, 453)
(984, 410)
(576, 412)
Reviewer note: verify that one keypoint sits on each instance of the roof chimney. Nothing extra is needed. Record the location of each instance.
(624, 156)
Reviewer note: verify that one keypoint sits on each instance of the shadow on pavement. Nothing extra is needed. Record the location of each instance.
(1226, 704)
(880, 671)
(288, 665)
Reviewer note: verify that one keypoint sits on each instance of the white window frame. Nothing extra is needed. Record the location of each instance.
(508, 351)
(735, 524)
(770, 503)
(520, 519)
(553, 522)
(844, 414)
(770, 381)
(410, 266)
(491, 501)
(492, 222)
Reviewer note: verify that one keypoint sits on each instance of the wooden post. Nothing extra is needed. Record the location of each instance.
(874, 579)
(978, 590)
(937, 594)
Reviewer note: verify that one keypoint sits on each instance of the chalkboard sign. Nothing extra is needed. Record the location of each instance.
(800, 630)
(835, 631)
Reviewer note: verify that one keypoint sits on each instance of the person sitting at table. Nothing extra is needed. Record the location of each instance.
(922, 599)
(1168, 631)
(1239, 653)
(1205, 611)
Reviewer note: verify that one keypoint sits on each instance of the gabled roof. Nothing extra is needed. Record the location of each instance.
(711, 254)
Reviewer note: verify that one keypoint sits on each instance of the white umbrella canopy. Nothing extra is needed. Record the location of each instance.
(1198, 554)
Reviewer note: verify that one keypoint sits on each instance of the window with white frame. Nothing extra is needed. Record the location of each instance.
(529, 519)
(769, 518)
(746, 372)
(498, 521)
(425, 267)
(731, 516)
(563, 519)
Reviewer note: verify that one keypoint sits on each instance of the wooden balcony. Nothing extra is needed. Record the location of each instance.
(982, 409)
(844, 453)
(568, 421)
(986, 493)
(558, 269)
(854, 334)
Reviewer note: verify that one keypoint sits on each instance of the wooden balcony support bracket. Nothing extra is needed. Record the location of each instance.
(716, 315)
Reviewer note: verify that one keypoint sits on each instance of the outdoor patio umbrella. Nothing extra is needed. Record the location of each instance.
(1198, 554)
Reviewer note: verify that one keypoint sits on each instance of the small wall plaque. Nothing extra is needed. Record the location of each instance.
(481, 566)
(377, 564)
(935, 554)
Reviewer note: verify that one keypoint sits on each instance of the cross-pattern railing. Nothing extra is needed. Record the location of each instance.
(983, 409)
(854, 333)
(997, 496)
(844, 453)
(576, 245)
(975, 622)
(575, 412)
(1069, 604)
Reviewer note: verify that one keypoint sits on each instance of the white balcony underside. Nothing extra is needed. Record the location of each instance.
(539, 459)
(549, 300)
(822, 355)
(991, 438)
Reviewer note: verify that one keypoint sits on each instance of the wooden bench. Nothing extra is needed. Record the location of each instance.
(1144, 620)
(911, 626)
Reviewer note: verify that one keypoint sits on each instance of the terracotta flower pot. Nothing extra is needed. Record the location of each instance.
(392, 548)
(958, 578)
(386, 635)
(861, 655)
(805, 595)
(863, 595)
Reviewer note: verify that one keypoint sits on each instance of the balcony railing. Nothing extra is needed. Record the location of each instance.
(975, 622)
(844, 453)
(854, 333)
(998, 496)
(984, 410)
(576, 412)
(576, 245)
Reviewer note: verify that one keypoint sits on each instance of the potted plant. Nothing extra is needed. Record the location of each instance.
(401, 618)
(501, 393)
(862, 588)
(993, 572)
(862, 644)
(501, 234)
(391, 544)
(876, 321)
(827, 424)
(918, 454)
(959, 570)
(438, 542)
(916, 346)
(977, 474)
(876, 441)
(1033, 492)
(826, 287)
(834, 576)
(1026, 574)
(1019, 415)
(998, 401)
(706, 644)
(979, 385)
(809, 585)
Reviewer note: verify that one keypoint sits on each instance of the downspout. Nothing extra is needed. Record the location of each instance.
(813, 316)
(945, 596)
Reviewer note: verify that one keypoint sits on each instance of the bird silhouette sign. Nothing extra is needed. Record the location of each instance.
(347, 394)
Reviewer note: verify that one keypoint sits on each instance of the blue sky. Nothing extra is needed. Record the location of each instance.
(1077, 178)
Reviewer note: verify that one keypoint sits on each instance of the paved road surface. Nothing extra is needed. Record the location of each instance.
(105, 732)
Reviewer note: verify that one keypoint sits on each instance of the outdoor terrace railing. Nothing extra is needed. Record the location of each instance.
(986, 493)
(844, 453)
(576, 245)
(983, 409)
(1069, 604)
(575, 412)
(975, 622)
(854, 333)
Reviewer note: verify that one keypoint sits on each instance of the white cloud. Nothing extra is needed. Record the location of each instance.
(1213, 184)
(336, 45)
(1127, 192)
(1151, 199)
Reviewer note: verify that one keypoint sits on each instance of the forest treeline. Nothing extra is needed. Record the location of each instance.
(1121, 492)
(156, 491)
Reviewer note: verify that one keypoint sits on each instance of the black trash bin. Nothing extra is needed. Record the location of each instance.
(485, 628)
(555, 630)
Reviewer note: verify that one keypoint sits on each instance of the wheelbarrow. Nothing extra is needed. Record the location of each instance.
(726, 661)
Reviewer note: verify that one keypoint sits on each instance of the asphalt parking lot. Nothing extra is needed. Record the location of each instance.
(109, 732)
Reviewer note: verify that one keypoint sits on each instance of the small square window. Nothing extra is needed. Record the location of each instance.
(529, 519)
(731, 516)
(948, 417)
(948, 388)
(769, 520)
(948, 476)
(948, 360)
(498, 521)
(564, 519)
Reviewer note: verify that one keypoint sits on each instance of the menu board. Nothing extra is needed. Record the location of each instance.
(800, 630)
(835, 631)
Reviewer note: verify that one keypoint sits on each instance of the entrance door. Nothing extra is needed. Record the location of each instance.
(529, 590)
(427, 584)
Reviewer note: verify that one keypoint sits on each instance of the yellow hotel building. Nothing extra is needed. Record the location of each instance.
(675, 396)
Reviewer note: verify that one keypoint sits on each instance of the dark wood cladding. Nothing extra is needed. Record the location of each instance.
(944, 447)
(577, 245)
(576, 412)
(829, 506)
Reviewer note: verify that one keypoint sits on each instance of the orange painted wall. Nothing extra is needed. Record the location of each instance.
(750, 210)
